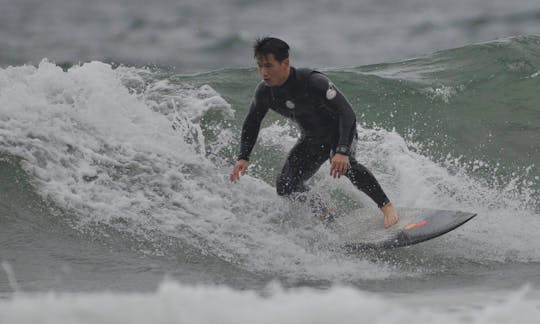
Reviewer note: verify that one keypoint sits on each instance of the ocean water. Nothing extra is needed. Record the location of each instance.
(202, 35)
(120, 122)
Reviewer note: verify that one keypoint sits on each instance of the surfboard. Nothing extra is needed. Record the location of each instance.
(363, 229)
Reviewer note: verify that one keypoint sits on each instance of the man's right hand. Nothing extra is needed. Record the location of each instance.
(239, 169)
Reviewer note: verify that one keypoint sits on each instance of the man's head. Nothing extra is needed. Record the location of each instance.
(272, 55)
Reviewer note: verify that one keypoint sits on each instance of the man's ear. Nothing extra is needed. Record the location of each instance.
(286, 61)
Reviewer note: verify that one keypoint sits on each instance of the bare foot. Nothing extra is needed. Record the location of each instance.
(390, 215)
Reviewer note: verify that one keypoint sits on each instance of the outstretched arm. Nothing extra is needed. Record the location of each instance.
(325, 90)
(250, 132)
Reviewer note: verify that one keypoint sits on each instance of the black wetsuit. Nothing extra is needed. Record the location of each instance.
(327, 124)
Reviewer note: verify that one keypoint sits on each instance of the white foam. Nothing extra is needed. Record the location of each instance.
(178, 303)
(124, 148)
(442, 92)
(116, 147)
(506, 225)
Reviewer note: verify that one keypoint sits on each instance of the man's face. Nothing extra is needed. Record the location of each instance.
(273, 72)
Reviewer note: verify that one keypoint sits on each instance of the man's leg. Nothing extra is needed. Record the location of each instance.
(365, 181)
(304, 160)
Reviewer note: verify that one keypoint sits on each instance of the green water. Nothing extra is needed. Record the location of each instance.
(473, 108)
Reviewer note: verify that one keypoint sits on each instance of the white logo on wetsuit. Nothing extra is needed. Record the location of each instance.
(331, 92)
(290, 104)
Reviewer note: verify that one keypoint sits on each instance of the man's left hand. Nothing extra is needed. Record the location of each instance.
(340, 164)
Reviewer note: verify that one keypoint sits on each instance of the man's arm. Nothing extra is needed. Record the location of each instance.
(252, 122)
(321, 87)
(250, 131)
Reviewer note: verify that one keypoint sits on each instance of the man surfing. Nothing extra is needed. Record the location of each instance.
(327, 124)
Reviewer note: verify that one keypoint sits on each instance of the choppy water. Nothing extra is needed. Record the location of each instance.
(201, 35)
(114, 177)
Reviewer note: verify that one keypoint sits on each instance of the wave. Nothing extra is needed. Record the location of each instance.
(147, 153)
(174, 302)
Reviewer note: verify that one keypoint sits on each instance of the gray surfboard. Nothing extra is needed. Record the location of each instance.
(362, 229)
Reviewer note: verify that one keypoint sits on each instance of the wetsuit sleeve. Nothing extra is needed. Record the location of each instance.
(323, 89)
(252, 122)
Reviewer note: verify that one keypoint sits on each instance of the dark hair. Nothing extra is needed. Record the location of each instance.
(271, 45)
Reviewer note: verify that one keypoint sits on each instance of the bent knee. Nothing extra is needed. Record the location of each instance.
(357, 171)
(287, 187)
(283, 187)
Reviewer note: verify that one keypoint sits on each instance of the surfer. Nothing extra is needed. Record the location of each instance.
(326, 121)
